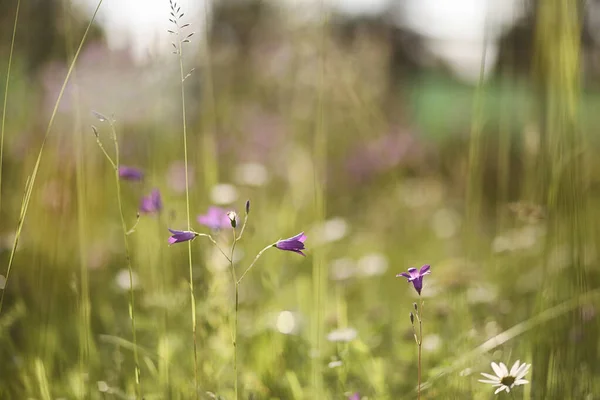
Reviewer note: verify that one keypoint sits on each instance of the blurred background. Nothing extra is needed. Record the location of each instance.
(394, 133)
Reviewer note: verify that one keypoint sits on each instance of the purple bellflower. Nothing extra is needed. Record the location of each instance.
(152, 203)
(181, 236)
(130, 173)
(295, 243)
(416, 276)
(355, 396)
(215, 218)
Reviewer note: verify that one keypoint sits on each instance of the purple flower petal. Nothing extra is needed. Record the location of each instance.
(414, 274)
(130, 173)
(301, 237)
(181, 236)
(416, 277)
(215, 218)
(295, 243)
(152, 203)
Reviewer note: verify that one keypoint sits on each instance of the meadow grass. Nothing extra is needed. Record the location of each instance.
(176, 19)
(5, 102)
(504, 221)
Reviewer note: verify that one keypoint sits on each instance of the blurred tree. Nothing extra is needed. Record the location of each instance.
(238, 23)
(41, 33)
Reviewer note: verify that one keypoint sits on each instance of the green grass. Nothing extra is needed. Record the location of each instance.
(65, 327)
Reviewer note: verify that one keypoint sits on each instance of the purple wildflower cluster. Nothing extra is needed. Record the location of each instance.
(217, 218)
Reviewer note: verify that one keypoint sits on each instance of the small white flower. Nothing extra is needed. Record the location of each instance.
(342, 335)
(123, 281)
(505, 380)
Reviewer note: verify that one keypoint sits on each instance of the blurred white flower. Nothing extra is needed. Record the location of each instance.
(482, 294)
(122, 280)
(335, 364)
(287, 323)
(251, 174)
(103, 386)
(501, 244)
(372, 264)
(331, 230)
(223, 193)
(342, 268)
(432, 342)
(342, 335)
(505, 380)
(445, 223)
(518, 239)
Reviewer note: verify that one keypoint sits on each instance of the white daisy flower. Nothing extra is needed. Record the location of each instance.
(505, 380)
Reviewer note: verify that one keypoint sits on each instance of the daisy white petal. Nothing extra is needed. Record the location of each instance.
(493, 383)
(489, 376)
(523, 370)
(500, 389)
(515, 368)
(504, 370)
(497, 369)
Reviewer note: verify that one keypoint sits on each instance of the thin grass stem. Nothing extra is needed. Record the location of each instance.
(10, 56)
(420, 345)
(235, 319)
(260, 253)
(129, 265)
(319, 273)
(182, 77)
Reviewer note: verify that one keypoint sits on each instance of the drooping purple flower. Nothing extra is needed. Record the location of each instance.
(416, 276)
(130, 173)
(215, 218)
(295, 243)
(355, 396)
(181, 236)
(152, 203)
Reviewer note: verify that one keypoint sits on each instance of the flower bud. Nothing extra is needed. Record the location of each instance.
(247, 207)
(412, 318)
(232, 218)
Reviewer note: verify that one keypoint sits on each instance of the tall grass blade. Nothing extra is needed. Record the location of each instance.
(30, 184)
(3, 124)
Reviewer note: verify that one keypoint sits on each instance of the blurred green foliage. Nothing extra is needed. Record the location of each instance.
(376, 177)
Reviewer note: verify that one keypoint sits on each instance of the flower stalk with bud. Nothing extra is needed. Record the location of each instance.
(415, 277)
(214, 219)
(126, 173)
